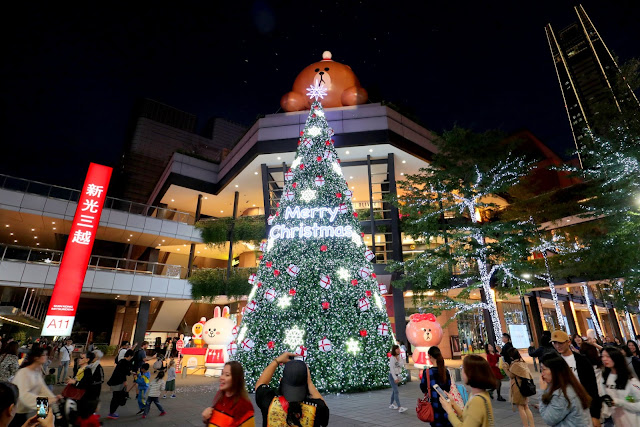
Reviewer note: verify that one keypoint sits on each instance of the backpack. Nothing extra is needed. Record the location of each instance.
(527, 387)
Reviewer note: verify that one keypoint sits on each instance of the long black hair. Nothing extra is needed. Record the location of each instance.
(442, 371)
(620, 365)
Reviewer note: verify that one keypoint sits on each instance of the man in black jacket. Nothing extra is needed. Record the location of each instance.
(581, 368)
(117, 382)
(506, 340)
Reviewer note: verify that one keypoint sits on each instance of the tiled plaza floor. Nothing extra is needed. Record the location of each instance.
(359, 409)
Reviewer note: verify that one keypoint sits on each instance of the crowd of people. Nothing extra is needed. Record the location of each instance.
(583, 380)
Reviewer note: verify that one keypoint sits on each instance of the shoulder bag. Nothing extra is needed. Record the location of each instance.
(72, 392)
(526, 386)
(486, 407)
(424, 410)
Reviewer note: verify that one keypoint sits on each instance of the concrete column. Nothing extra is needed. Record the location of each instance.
(142, 321)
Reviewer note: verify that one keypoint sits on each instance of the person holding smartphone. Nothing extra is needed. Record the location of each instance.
(9, 399)
(623, 391)
(297, 400)
(478, 412)
(31, 385)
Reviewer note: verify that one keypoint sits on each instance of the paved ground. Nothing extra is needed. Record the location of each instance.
(359, 409)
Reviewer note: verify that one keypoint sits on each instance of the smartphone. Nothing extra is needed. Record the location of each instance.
(42, 407)
(607, 400)
(441, 392)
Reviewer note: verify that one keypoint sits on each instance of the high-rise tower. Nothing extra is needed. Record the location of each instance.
(588, 74)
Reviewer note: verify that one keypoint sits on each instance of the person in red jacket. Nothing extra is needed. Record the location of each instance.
(492, 357)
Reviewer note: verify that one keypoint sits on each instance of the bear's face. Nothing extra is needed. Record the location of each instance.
(334, 76)
(423, 330)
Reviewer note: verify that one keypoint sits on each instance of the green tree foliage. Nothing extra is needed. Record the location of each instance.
(465, 179)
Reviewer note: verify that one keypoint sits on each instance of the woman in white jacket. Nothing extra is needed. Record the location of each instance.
(30, 383)
(621, 387)
(396, 363)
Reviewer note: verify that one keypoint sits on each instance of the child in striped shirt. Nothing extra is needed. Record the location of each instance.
(155, 389)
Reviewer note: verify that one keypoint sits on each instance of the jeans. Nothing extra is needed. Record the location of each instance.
(154, 400)
(64, 366)
(395, 395)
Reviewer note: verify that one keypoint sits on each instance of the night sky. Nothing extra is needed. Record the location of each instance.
(70, 77)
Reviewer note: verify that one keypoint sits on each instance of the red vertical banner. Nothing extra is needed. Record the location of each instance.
(73, 268)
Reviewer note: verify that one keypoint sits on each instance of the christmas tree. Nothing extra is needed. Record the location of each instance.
(315, 292)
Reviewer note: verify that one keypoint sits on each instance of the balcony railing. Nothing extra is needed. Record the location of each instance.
(71, 195)
(96, 262)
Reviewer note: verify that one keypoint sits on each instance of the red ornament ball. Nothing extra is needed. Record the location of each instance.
(271, 344)
(338, 160)
(313, 115)
(323, 248)
(355, 214)
(269, 264)
(368, 293)
(292, 292)
(278, 213)
(388, 354)
(361, 234)
(354, 282)
(259, 284)
(363, 333)
(301, 133)
(373, 275)
(325, 305)
(319, 158)
(276, 272)
(298, 142)
(261, 256)
(278, 204)
(328, 142)
(301, 166)
(339, 195)
(294, 185)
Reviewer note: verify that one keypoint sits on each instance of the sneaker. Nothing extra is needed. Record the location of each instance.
(173, 396)
(163, 413)
(144, 416)
(164, 397)
(501, 399)
(113, 416)
(392, 406)
(402, 409)
(140, 412)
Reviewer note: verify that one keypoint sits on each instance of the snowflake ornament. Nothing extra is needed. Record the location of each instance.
(316, 91)
(294, 337)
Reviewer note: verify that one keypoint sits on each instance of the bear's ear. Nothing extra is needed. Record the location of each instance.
(225, 312)
(216, 312)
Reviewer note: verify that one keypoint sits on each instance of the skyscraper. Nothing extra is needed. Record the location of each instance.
(588, 74)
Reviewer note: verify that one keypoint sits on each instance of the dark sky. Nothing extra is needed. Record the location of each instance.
(70, 77)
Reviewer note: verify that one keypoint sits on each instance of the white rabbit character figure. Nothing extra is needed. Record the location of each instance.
(217, 334)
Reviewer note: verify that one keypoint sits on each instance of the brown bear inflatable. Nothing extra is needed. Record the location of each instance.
(342, 85)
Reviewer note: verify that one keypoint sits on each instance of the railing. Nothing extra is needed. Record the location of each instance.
(71, 195)
(96, 262)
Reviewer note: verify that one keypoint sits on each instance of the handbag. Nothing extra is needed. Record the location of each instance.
(527, 387)
(72, 392)
(454, 392)
(424, 410)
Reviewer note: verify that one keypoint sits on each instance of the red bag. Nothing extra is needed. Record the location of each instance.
(424, 410)
(72, 392)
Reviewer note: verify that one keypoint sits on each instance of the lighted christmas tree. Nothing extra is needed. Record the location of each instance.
(315, 292)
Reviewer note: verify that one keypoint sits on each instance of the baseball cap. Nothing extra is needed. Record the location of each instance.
(294, 381)
(559, 336)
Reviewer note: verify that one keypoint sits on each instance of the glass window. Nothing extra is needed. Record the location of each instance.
(473, 334)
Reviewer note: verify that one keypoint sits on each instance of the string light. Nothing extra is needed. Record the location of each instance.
(585, 290)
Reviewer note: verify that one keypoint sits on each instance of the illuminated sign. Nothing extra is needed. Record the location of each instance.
(310, 231)
(73, 268)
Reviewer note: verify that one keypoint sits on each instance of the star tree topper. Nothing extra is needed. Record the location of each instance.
(316, 91)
